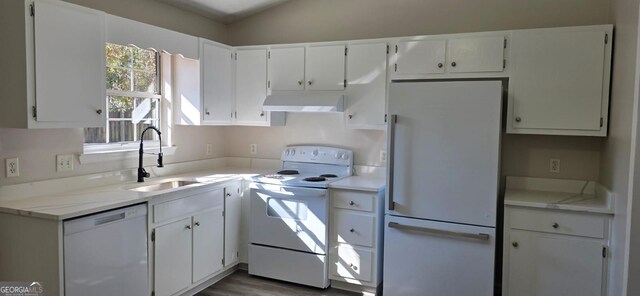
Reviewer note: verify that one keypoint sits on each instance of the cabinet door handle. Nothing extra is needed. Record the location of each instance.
(229, 194)
(206, 112)
(299, 82)
(188, 227)
(440, 65)
(518, 119)
(262, 114)
(453, 64)
(350, 116)
(352, 230)
(555, 225)
(310, 82)
(99, 111)
(351, 203)
(515, 244)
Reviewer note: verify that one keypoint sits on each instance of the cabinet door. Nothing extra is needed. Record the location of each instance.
(172, 264)
(476, 54)
(232, 207)
(366, 80)
(325, 67)
(216, 62)
(208, 246)
(186, 90)
(286, 68)
(542, 264)
(557, 82)
(251, 85)
(70, 68)
(415, 57)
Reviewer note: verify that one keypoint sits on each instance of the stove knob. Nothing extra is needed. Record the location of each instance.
(315, 152)
(345, 156)
(286, 152)
(293, 152)
(338, 155)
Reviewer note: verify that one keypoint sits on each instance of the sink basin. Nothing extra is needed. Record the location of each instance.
(163, 186)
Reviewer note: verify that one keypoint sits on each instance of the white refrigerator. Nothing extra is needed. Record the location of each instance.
(442, 187)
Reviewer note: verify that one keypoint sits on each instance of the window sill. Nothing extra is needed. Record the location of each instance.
(115, 155)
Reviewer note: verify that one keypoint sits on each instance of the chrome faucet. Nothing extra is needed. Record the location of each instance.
(142, 173)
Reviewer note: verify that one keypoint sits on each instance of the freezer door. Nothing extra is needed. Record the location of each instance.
(433, 258)
(444, 149)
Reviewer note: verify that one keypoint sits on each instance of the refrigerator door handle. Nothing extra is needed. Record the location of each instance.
(391, 134)
(476, 236)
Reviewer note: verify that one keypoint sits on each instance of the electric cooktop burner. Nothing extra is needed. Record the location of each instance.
(315, 179)
(288, 172)
(328, 176)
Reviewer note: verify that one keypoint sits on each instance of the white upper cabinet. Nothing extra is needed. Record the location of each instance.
(216, 61)
(314, 67)
(450, 56)
(325, 67)
(251, 89)
(560, 81)
(286, 68)
(476, 54)
(55, 73)
(366, 85)
(420, 57)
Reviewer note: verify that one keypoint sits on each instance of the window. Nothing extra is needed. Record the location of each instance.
(133, 98)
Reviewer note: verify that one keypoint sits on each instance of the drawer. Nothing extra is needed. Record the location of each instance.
(188, 205)
(352, 263)
(353, 228)
(354, 200)
(559, 222)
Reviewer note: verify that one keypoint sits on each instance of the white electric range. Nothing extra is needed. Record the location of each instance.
(289, 215)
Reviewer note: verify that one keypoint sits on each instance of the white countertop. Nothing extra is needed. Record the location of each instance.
(65, 205)
(368, 182)
(570, 195)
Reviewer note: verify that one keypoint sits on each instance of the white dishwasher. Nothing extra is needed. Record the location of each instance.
(106, 253)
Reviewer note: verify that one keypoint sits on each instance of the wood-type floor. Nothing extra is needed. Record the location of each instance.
(241, 283)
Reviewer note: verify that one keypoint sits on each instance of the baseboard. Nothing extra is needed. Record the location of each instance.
(364, 290)
(198, 288)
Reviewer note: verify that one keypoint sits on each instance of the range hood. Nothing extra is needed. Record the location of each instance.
(304, 102)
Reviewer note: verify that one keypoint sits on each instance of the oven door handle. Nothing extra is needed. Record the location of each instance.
(292, 191)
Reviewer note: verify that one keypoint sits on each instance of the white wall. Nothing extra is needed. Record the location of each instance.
(616, 150)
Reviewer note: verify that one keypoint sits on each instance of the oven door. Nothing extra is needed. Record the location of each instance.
(289, 217)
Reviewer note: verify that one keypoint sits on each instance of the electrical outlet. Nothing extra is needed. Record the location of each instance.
(12, 167)
(254, 149)
(554, 165)
(64, 162)
(209, 149)
(383, 155)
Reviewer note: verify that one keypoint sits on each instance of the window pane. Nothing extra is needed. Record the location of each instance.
(120, 107)
(95, 135)
(118, 55)
(146, 108)
(121, 131)
(144, 81)
(118, 79)
(145, 60)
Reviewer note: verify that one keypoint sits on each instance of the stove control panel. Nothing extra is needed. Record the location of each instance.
(318, 154)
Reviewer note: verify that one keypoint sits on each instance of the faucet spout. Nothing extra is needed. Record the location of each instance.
(142, 173)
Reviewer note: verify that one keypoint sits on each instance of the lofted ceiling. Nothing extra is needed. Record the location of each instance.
(224, 11)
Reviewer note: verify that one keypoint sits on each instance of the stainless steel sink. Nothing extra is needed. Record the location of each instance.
(164, 186)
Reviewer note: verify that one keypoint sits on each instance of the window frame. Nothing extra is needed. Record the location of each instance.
(157, 95)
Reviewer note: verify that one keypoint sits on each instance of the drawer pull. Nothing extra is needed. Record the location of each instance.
(352, 230)
(555, 225)
(431, 231)
(351, 203)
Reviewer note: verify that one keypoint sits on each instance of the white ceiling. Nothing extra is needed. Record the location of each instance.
(225, 11)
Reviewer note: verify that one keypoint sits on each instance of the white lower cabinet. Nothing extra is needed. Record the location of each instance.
(188, 241)
(232, 220)
(356, 239)
(549, 252)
